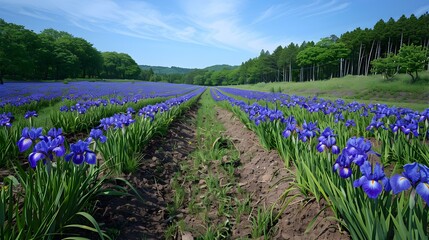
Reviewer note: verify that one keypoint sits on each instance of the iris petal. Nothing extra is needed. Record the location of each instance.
(24, 144)
(34, 157)
(345, 172)
(423, 190)
(372, 188)
(399, 183)
(360, 181)
(78, 159)
(90, 158)
(59, 151)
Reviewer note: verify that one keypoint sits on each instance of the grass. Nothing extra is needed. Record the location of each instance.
(212, 198)
(367, 89)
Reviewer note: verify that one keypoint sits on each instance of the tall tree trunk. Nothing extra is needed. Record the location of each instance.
(341, 67)
(301, 74)
(359, 59)
(402, 39)
(278, 75)
(290, 71)
(369, 59)
(314, 69)
(284, 74)
(378, 50)
(389, 47)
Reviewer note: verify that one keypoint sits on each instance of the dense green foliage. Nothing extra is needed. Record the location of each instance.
(55, 54)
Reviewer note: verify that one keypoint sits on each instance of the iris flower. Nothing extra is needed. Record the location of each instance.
(373, 180)
(27, 138)
(97, 134)
(45, 149)
(350, 123)
(308, 130)
(416, 176)
(343, 165)
(80, 152)
(327, 141)
(30, 114)
(358, 149)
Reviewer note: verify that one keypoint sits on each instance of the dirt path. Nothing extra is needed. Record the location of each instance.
(263, 174)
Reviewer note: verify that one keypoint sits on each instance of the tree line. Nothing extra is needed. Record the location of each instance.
(353, 53)
(54, 54)
(57, 55)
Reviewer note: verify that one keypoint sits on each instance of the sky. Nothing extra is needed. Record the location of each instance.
(201, 33)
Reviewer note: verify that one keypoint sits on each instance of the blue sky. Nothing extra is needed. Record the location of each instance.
(200, 33)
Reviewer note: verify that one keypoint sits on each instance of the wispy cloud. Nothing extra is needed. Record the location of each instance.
(421, 10)
(302, 10)
(212, 22)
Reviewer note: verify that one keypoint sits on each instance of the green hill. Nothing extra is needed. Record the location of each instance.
(369, 89)
(179, 70)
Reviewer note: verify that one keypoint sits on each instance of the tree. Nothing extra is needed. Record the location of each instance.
(412, 59)
(119, 65)
(386, 66)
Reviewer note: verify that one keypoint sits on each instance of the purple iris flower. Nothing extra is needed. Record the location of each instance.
(97, 134)
(64, 109)
(424, 116)
(27, 138)
(416, 176)
(309, 130)
(6, 119)
(54, 133)
(343, 165)
(80, 152)
(30, 114)
(45, 149)
(375, 123)
(327, 141)
(373, 180)
(350, 123)
(130, 110)
(358, 149)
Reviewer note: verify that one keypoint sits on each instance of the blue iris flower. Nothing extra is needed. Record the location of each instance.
(327, 141)
(343, 165)
(80, 152)
(308, 130)
(6, 119)
(416, 176)
(358, 149)
(45, 149)
(27, 138)
(375, 123)
(350, 123)
(373, 180)
(30, 114)
(97, 134)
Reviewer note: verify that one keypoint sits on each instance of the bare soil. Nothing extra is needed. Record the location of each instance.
(261, 173)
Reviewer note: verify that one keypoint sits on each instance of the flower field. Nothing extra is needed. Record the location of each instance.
(62, 143)
(369, 162)
(89, 133)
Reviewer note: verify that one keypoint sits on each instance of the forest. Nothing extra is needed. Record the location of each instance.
(58, 55)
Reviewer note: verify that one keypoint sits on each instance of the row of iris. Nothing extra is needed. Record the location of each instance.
(49, 200)
(400, 133)
(334, 163)
(81, 113)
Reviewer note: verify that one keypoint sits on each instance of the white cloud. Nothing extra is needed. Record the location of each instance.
(421, 10)
(215, 23)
